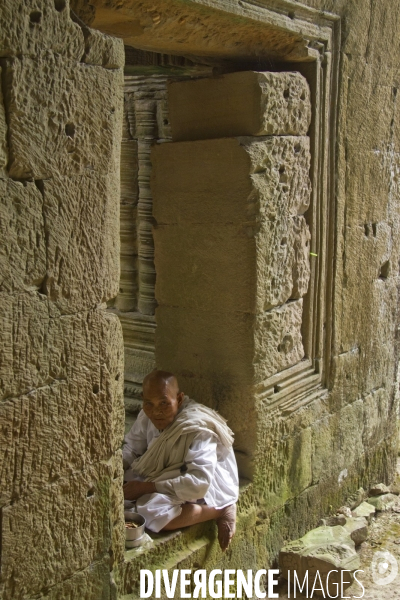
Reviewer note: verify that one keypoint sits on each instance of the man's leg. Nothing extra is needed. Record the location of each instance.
(158, 510)
(199, 513)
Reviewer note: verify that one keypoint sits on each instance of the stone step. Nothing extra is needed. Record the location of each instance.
(169, 551)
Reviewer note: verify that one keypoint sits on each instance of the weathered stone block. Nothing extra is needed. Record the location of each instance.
(59, 237)
(284, 461)
(68, 524)
(283, 261)
(186, 342)
(301, 269)
(24, 322)
(103, 50)
(230, 180)
(357, 527)
(28, 27)
(40, 347)
(280, 174)
(365, 509)
(368, 194)
(262, 185)
(369, 295)
(245, 103)
(91, 583)
(76, 417)
(117, 511)
(345, 375)
(22, 236)
(376, 342)
(333, 521)
(278, 341)
(368, 102)
(321, 550)
(337, 441)
(384, 502)
(376, 414)
(79, 129)
(379, 489)
(53, 432)
(82, 231)
(206, 267)
(232, 267)
(240, 346)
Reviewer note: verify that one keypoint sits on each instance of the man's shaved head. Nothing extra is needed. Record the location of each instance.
(161, 379)
(161, 398)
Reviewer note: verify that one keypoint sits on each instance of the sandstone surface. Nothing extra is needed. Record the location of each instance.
(384, 502)
(103, 50)
(22, 234)
(71, 530)
(365, 509)
(61, 360)
(3, 136)
(344, 429)
(323, 549)
(234, 178)
(244, 103)
(379, 489)
(357, 528)
(262, 184)
(28, 28)
(77, 128)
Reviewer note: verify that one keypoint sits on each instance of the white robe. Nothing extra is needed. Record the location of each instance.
(211, 474)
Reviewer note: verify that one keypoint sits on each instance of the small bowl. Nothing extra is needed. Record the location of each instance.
(136, 532)
(135, 543)
(128, 513)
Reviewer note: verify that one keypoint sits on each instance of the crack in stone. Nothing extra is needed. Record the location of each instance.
(53, 384)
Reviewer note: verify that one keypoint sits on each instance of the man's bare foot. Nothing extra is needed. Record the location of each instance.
(226, 523)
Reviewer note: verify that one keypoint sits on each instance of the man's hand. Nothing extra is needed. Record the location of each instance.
(134, 489)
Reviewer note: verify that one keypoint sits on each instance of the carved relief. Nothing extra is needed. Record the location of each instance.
(127, 297)
(145, 121)
(147, 273)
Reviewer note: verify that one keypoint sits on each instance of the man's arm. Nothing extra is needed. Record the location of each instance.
(135, 489)
(200, 460)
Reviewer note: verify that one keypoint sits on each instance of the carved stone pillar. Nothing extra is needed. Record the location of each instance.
(147, 273)
(127, 296)
(145, 121)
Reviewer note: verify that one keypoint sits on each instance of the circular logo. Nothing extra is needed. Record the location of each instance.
(384, 568)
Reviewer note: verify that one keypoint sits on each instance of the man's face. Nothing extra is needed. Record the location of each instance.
(161, 403)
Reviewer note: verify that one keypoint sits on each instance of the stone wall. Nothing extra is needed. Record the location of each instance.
(61, 358)
(313, 455)
(61, 370)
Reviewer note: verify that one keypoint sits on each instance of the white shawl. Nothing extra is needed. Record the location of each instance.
(168, 451)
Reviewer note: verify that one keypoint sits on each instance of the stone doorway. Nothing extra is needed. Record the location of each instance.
(147, 123)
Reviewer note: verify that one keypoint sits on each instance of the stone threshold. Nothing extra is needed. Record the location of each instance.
(186, 548)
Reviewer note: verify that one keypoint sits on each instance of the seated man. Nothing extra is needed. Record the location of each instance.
(179, 462)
